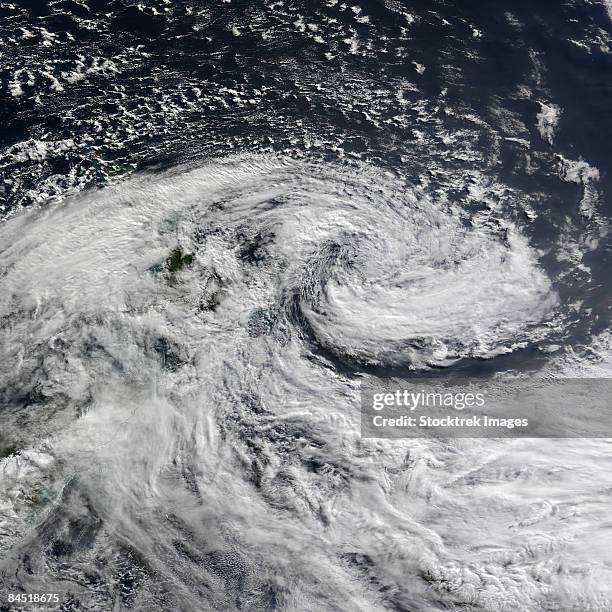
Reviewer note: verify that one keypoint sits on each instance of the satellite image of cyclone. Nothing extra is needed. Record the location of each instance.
(218, 218)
